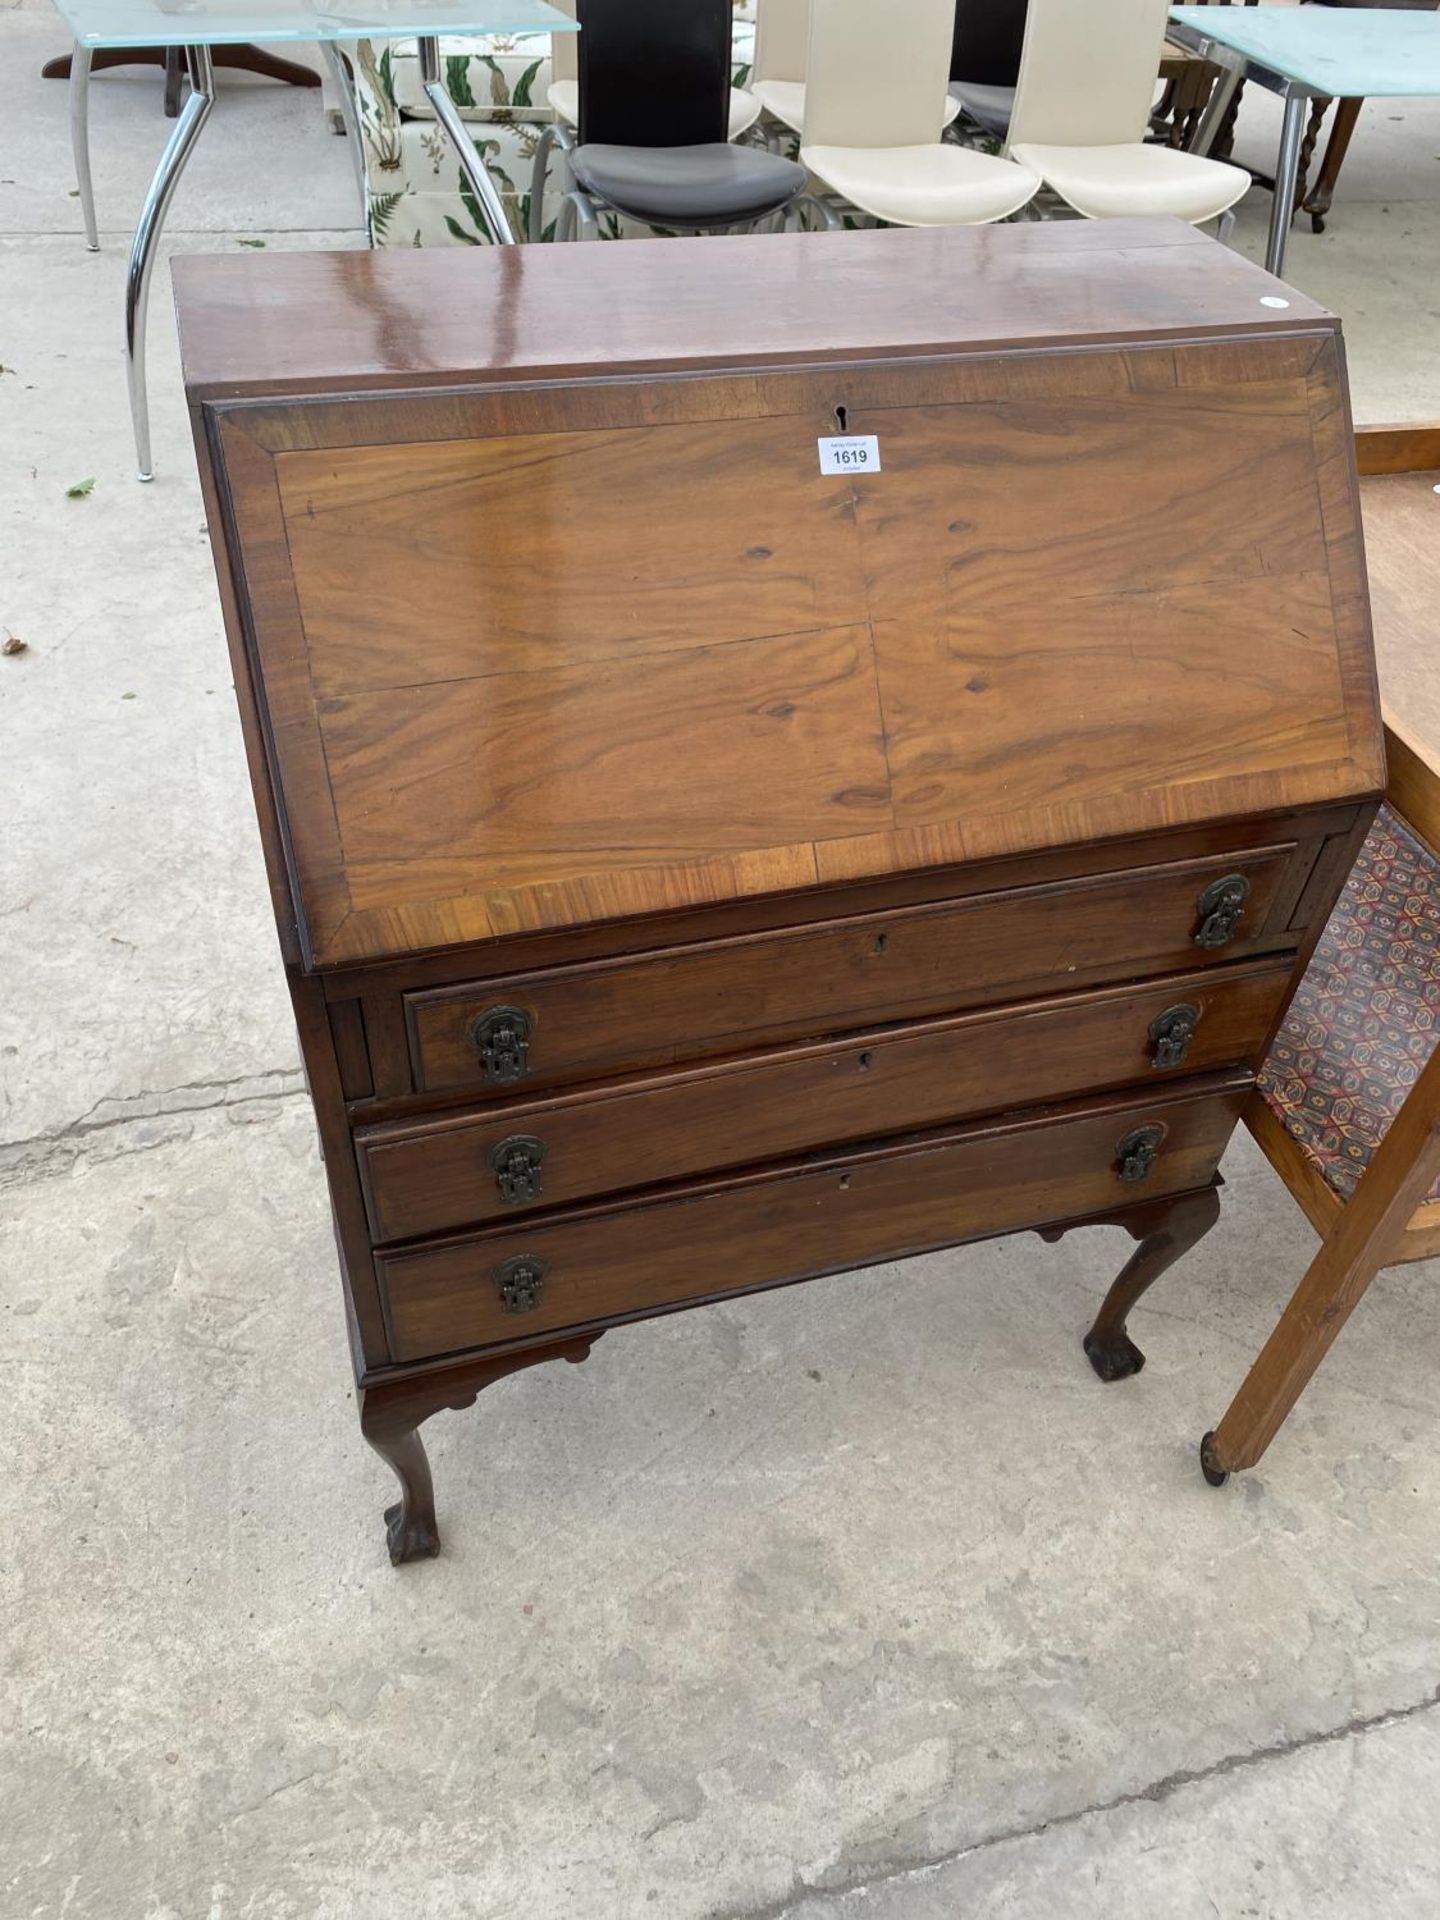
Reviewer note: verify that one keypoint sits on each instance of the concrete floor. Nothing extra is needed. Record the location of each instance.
(859, 1600)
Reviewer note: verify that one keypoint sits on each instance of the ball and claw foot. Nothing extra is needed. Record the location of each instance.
(1209, 1463)
(1163, 1229)
(417, 1538)
(1113, 1358)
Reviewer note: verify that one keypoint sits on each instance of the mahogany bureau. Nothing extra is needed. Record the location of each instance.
(774, 754)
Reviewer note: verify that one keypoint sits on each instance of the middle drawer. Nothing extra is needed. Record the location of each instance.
(424, 1177)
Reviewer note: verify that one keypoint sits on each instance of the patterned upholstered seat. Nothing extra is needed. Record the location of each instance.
(1367, 1014)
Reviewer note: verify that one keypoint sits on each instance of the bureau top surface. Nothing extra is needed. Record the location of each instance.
(541, 653)
(398, 316)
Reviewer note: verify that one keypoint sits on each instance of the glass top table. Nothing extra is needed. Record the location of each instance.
(1364, 52)
(221, 23)
(198, 25)
(1304, 54)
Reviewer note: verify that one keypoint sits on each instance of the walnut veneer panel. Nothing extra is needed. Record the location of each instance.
(664, 661)
(538, 552)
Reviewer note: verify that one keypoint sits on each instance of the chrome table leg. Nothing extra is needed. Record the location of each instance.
(350, 114)
(1287, 174)
(471, 163)
(147, 234)
(553, 139)
(1218, 105)
(80, 139)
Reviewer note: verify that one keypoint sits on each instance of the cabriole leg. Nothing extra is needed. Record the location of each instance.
(410, 1529)
(391, 1413)
(1165, 1230)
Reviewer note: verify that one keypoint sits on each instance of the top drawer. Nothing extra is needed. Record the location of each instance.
(579, 1022)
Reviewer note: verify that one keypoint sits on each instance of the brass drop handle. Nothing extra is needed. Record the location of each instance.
(501, 1037)
(516, 1166)
(1220, 908)
(1135, 1154)
(521, 1281)
(1172, 1031)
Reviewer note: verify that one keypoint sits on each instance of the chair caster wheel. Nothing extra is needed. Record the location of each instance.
(1210, 1465)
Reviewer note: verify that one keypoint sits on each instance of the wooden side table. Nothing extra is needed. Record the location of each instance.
(242, 59)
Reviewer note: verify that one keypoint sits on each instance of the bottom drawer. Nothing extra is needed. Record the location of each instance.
(814, 1216)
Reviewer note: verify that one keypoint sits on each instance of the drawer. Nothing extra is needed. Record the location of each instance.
(431, 1176)
(787, 1223)
(725, 996)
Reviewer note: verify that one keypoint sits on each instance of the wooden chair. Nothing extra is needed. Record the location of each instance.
(1332, 1113)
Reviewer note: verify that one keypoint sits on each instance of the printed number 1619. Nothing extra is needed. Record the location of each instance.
(852, 453)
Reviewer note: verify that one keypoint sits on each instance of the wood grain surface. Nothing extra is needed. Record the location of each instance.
(727, 1236)
(1395, 449)
(1402, 542)
(544, 679)
(391, 318)
(827, 830)
(436, 1175)
(725, 995)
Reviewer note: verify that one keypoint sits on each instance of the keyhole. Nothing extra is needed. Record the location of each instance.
(863, 1063)
(841, 417)
(882, 941)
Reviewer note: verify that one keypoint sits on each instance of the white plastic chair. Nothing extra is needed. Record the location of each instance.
(875, 105)
(1082, 104)
(782, 47)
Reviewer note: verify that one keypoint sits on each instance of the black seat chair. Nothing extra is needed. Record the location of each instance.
(985, 60)
(661, 69)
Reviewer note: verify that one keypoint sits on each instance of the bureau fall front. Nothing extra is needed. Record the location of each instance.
(700, 866)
